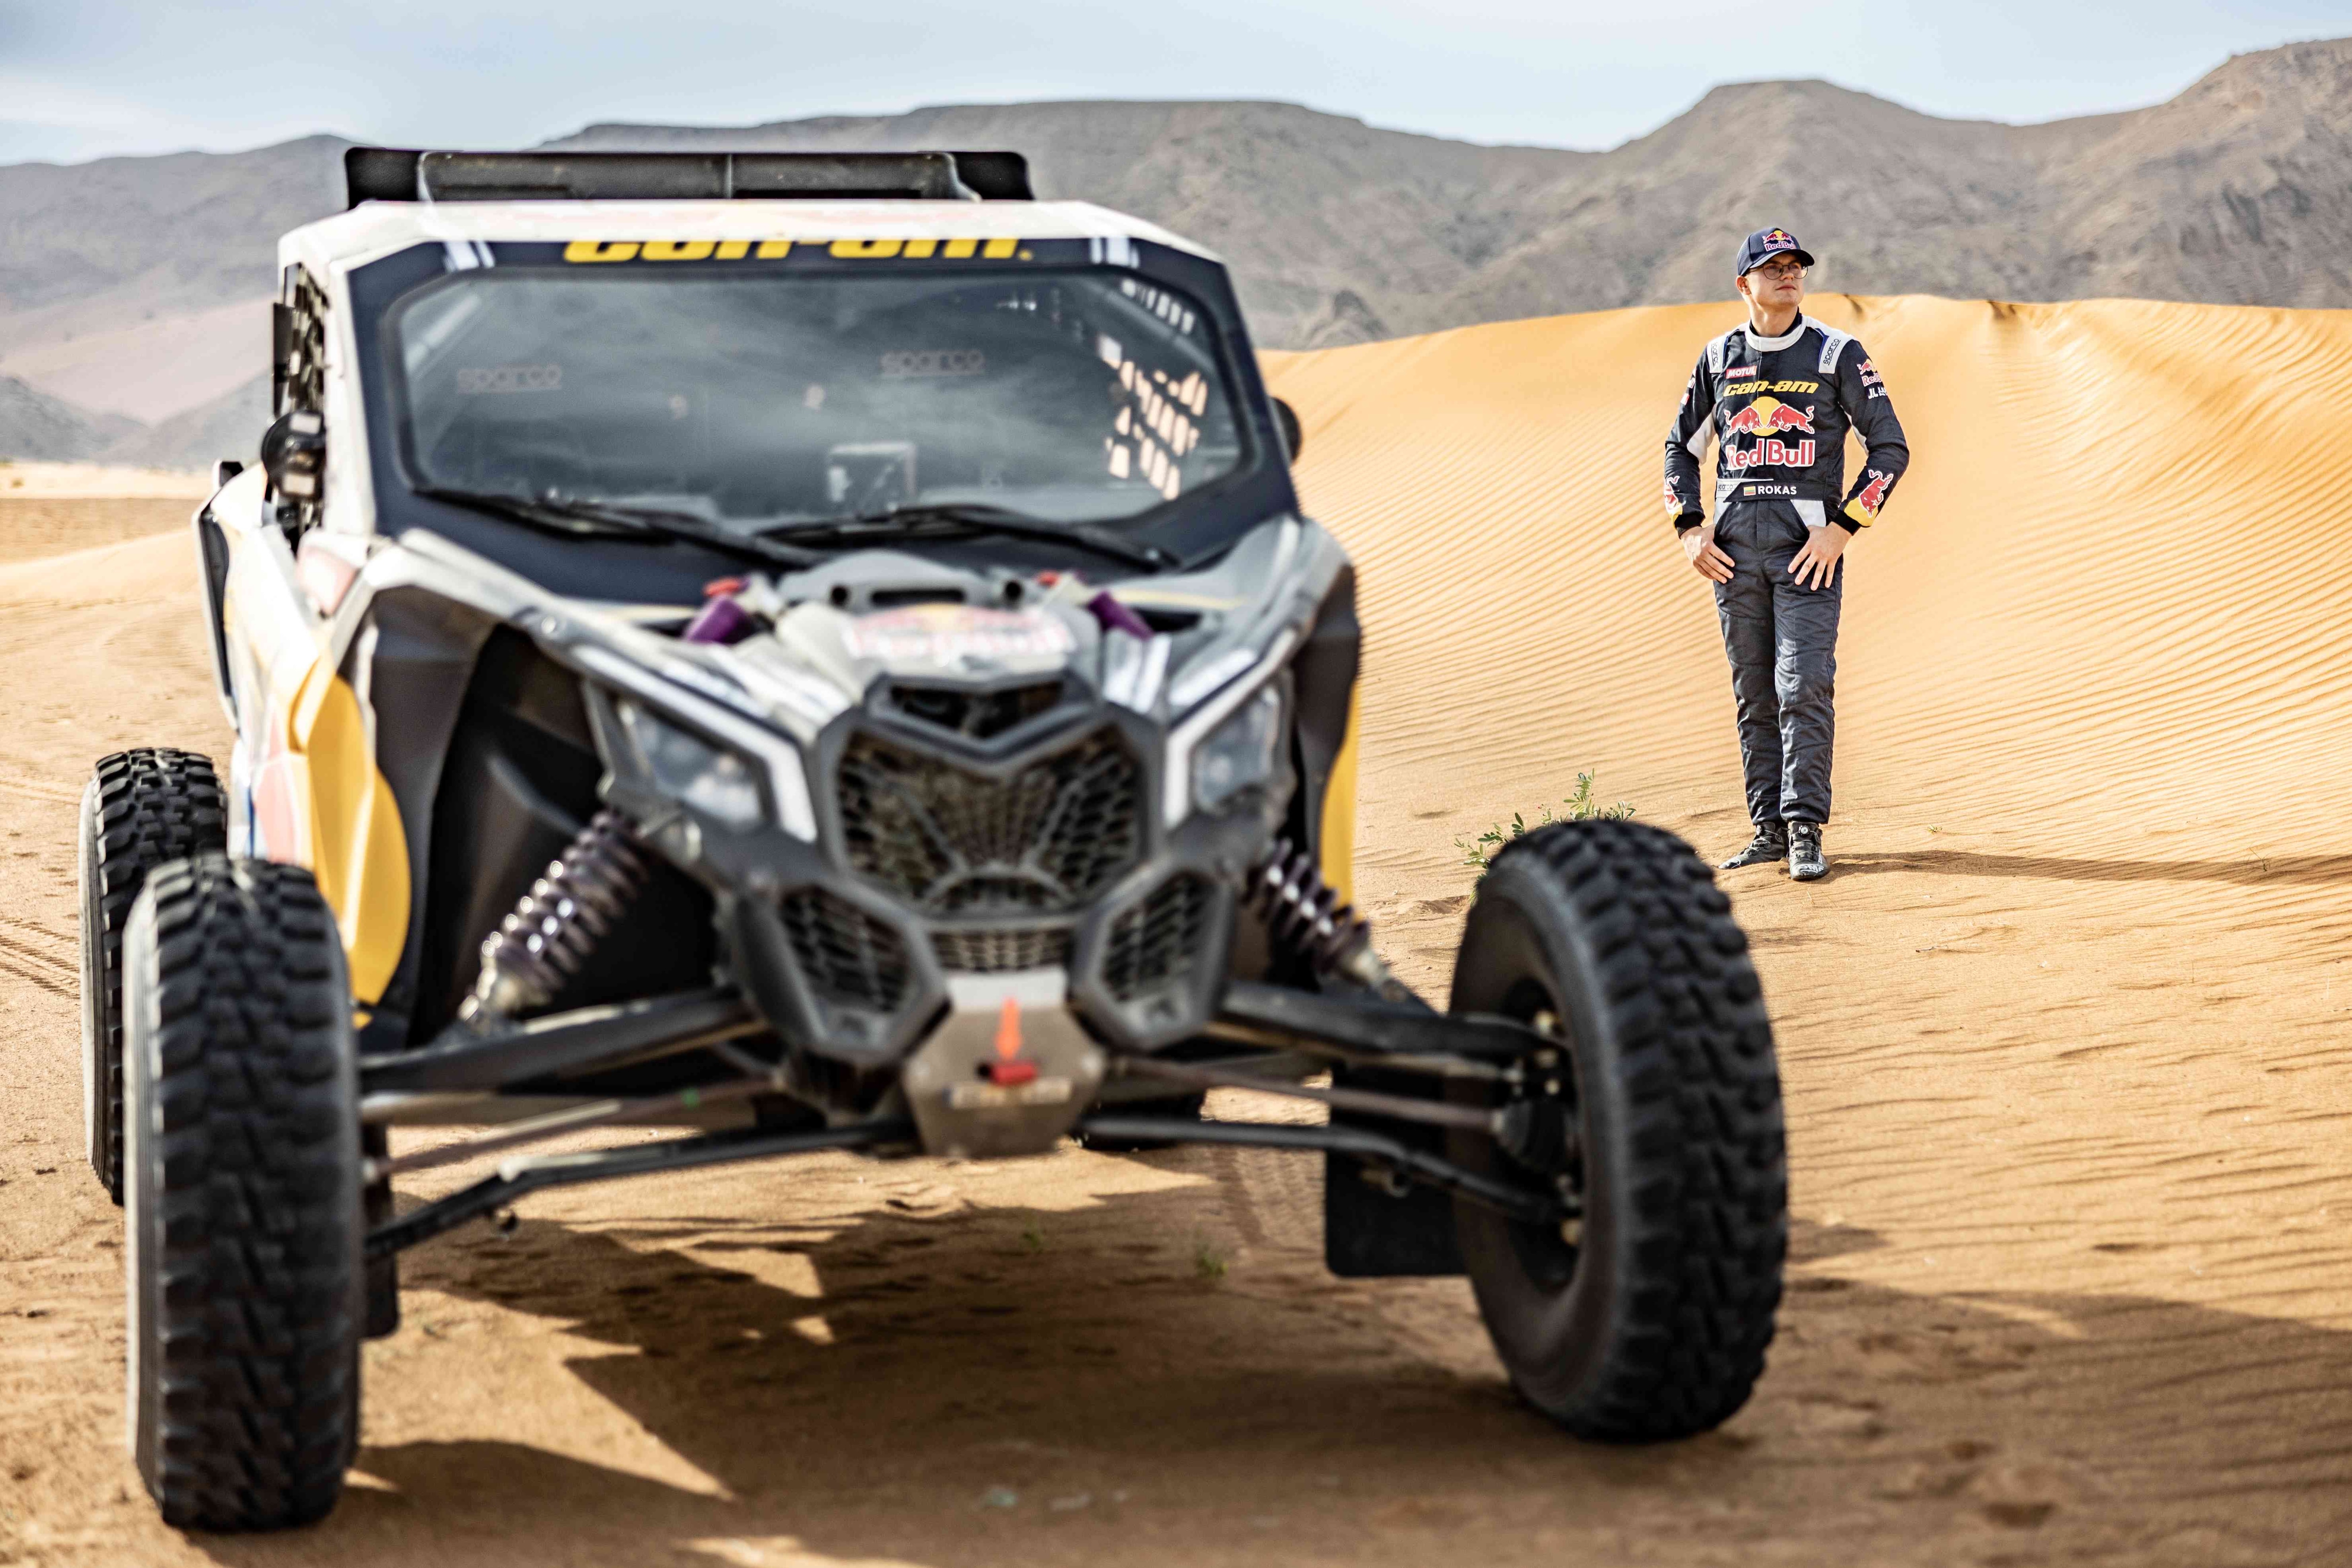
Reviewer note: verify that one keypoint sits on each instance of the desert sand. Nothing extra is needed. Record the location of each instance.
(2072, 1169)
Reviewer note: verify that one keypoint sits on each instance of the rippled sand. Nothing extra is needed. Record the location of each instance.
(2066, 1066)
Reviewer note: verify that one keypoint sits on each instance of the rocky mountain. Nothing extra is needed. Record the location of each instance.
(2238, 191)
(34, 425)
(227, 426)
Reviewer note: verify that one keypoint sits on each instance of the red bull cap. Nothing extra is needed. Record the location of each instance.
(1767, 242)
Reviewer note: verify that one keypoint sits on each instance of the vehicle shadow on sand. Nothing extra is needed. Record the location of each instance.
(1009, 1384)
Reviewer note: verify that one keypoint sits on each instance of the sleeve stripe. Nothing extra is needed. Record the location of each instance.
(1833, 345)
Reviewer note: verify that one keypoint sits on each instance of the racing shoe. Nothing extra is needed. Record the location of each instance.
(1770, 843)
(1805, 862)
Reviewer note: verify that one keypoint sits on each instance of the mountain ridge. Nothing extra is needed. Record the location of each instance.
(2236, 191)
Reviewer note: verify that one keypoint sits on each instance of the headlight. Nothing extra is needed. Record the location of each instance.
(715, 781)
(1239, 753)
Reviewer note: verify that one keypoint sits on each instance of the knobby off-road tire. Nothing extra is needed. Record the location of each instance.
(242, 1163)
(141, 809)
(1647, 1319)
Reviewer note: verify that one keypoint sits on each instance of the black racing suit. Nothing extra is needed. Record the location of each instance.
(1780, 409)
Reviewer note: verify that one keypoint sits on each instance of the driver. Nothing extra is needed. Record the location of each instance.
(1778, 395)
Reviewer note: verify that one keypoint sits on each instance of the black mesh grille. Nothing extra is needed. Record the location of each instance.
(1157, 942)
(954, 842)
(847, 956)
(983, 715)
(988, 952)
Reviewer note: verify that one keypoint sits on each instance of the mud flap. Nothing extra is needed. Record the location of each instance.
(1370, 1232)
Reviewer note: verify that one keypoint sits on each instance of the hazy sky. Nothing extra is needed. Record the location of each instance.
(82, 79)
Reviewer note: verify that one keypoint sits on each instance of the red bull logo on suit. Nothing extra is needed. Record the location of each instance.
(1771, 454)
(1872, 496)
(1766, 416)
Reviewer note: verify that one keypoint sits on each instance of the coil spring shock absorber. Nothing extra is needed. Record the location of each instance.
(555, 925)
(1303, 913)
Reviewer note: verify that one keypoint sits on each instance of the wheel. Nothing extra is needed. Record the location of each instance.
(1647, 1318)
(242, 1159)
(139, 810)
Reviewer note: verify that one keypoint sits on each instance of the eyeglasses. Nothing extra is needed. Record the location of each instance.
(1780, 270)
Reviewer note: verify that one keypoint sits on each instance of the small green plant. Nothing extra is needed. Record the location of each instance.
(1581, 807)
(1033, 1237)
(1208, 1262)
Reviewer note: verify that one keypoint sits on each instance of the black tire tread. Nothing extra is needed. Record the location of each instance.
(155, 803)
(1709, 1206)
(258, 1197)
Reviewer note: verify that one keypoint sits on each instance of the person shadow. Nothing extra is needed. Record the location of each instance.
(1169, 1377)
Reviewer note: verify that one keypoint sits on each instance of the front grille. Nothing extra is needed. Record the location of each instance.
(846, 955)
(1157, 942)
(983, 715)
(993, 952)
(954, 842)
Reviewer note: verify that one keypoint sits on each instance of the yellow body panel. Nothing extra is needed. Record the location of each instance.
(1339, 813)
(358, 851)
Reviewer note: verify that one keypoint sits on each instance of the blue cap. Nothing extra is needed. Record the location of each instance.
(1766, 243)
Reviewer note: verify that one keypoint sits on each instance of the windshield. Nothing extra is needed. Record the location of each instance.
(766, 398)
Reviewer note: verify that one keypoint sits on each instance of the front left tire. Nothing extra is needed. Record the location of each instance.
(243, 1240)
(1656, 1109)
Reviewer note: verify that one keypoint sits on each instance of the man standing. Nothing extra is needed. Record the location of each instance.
(1780, 393)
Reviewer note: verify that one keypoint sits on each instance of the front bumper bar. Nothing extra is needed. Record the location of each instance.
(519, 1177)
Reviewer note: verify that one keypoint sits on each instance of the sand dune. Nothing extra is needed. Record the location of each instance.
(2104, 598)
(2068, 1078)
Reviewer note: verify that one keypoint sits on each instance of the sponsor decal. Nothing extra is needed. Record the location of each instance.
(1876, 391)
(1674, 497)
(1769, 492)
(489, 380)
(1743, 389)
(588, 250)
(933, 362)
(1771, 454)
(950, 634)
(1872, 496)
(1780, 238)
(1740, 372)
(1767, 415)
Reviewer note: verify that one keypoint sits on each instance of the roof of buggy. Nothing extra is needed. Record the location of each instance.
(379, 228)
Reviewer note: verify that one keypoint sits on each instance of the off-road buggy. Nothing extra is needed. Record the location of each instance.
(824, 652)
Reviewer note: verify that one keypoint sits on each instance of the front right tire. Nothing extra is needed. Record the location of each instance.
(141, 809)
(244, 1227)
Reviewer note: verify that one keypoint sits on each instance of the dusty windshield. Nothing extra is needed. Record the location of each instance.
(1069, 396)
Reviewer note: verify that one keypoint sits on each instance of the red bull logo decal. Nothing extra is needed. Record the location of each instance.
(1778, 237)
(1771, 455)
(1872, 496)
(1768, 414)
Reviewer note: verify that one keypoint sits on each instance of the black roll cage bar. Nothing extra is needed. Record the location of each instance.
(410, 174)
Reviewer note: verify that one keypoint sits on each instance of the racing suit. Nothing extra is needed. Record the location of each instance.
(1780, 409)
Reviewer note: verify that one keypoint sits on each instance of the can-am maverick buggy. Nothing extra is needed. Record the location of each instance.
(824, 652)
